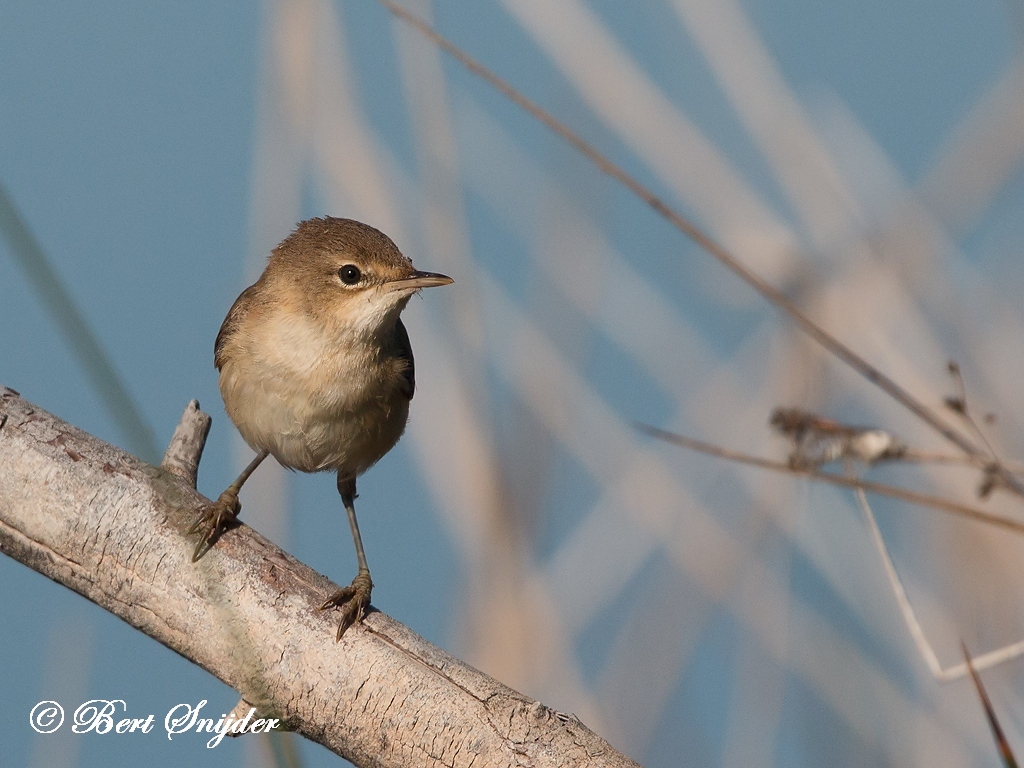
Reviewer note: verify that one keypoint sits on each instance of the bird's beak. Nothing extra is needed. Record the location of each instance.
(418, 280)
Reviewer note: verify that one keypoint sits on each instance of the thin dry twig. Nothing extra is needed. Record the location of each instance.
(881, 489)
(709, 245)
(931, 659)
(958, 404)
(1005, 752)
(992, 477)
(914, 456)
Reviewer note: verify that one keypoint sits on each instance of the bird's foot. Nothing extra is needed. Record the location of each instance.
(213, 520)
(353, 601)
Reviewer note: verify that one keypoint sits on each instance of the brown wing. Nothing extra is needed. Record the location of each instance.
(405, 353)
(235, 314)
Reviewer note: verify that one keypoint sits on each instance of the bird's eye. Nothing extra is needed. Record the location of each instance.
(350, 274)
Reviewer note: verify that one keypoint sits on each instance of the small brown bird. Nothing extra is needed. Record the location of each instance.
(316, 369)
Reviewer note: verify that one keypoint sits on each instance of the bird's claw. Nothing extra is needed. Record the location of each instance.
(353, 601)
(213, 520)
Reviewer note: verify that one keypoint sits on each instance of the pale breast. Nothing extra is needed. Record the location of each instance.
(313, 402)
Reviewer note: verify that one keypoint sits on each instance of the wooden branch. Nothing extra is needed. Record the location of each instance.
(112, 528)
(187, 443)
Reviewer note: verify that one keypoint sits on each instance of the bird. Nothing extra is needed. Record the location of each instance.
(316, 369)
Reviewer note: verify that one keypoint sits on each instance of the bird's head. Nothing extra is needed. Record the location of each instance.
(347, 273)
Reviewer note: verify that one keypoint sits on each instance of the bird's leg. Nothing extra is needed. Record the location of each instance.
(215, 518)
(355, 598)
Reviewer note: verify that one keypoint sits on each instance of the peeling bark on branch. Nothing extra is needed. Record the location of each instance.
(112, 528)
